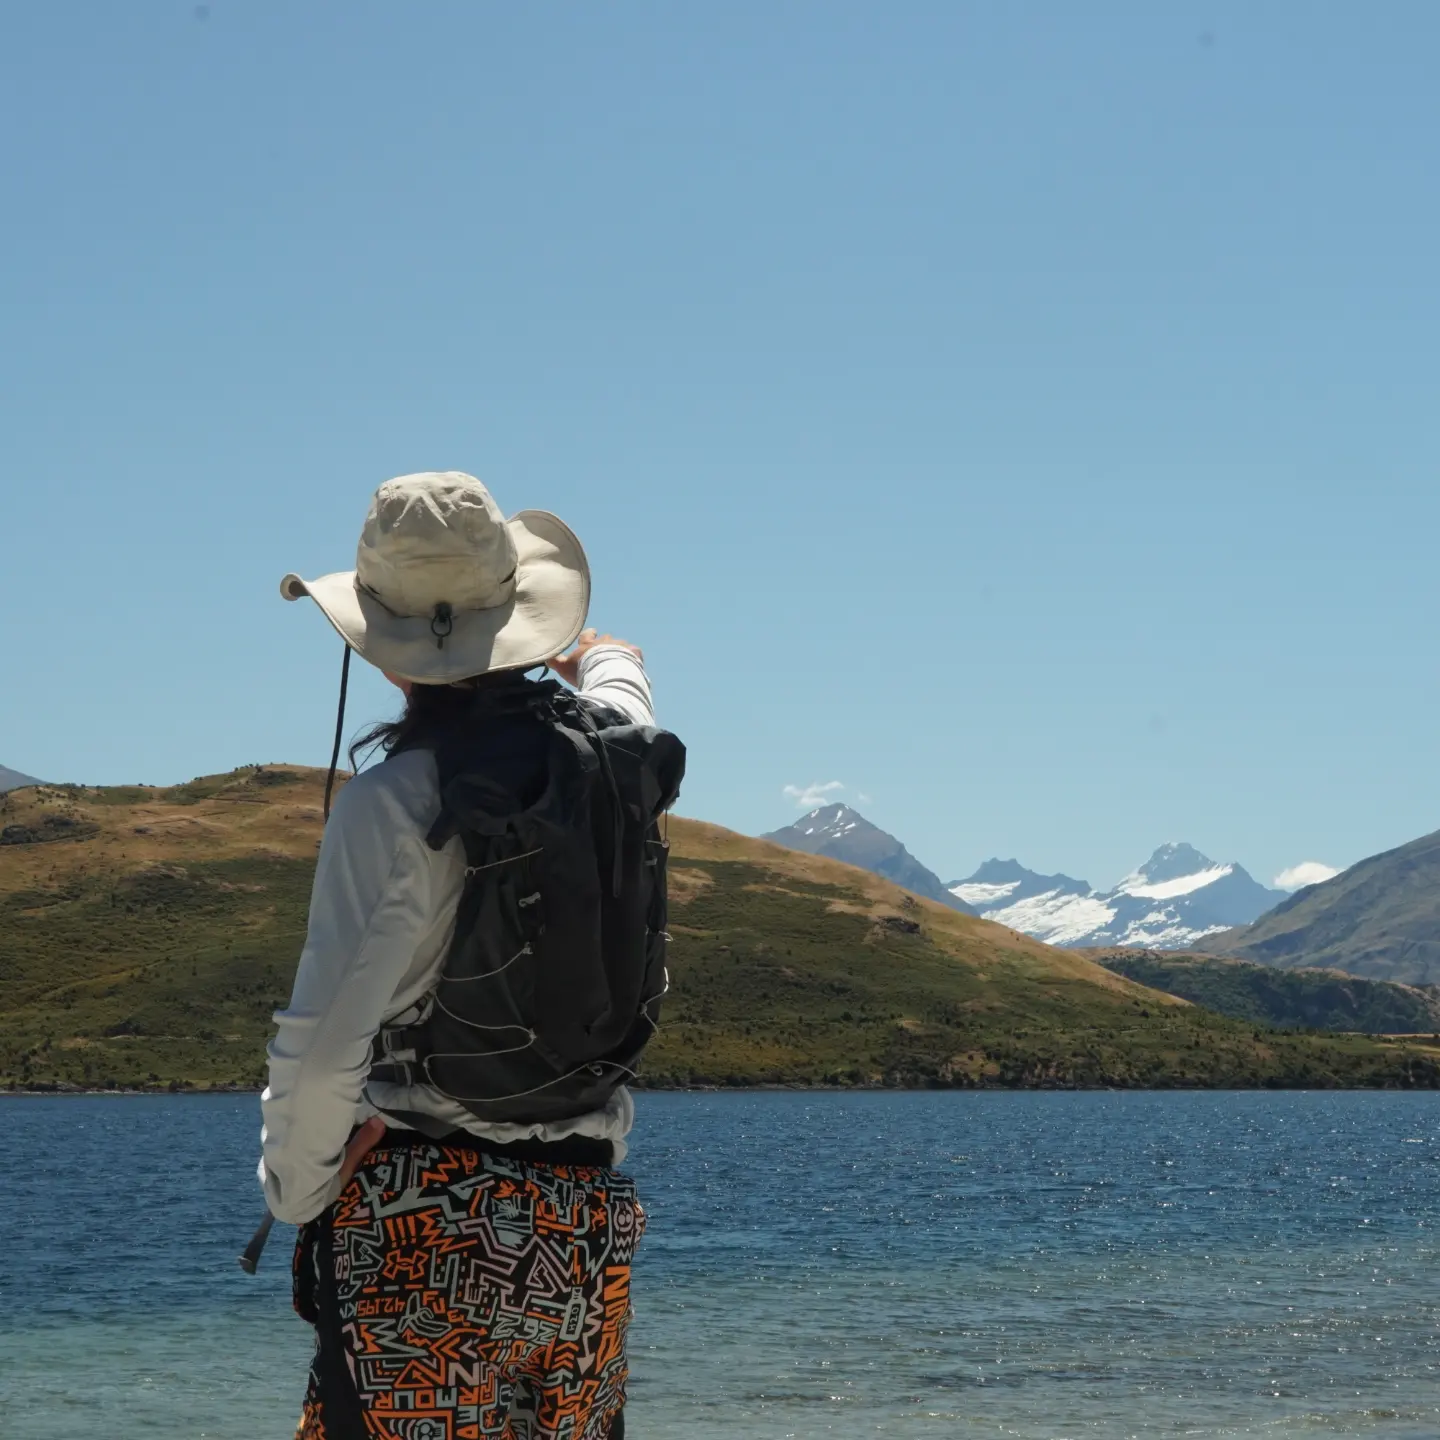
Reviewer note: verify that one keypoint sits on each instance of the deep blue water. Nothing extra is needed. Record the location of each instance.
(926, 1265)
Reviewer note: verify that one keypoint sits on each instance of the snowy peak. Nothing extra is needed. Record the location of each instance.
(845, 834)
(830, 822)
(1174, 862)
(1170, 903)
(1004, 882)
(1172, 871)
(1136, 884)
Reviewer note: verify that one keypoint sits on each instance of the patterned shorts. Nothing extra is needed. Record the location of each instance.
(462, 1296)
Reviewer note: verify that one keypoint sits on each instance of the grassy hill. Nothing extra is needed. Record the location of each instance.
(1379, 919)
(1294, 999)
(147, 934)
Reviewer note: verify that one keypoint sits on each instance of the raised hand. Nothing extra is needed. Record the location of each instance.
(567, 667)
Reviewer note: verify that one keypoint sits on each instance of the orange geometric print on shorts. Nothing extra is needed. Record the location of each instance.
(463, 1296)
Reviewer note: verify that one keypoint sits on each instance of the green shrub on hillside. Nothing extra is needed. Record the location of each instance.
(1291, 999)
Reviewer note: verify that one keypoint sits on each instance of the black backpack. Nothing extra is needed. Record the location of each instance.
(553, 981)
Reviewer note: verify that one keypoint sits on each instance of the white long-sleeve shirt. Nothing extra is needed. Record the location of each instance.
(382, 913)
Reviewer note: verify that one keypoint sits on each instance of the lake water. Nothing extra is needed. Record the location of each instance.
(909, 1265)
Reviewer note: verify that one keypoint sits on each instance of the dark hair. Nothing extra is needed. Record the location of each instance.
(430, 712)
(429, 709)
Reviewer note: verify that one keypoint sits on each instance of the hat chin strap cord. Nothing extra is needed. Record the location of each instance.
(339, 730)
(250, 1259)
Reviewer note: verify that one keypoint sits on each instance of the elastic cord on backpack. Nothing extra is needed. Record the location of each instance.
(518, 1094)
(339, 729)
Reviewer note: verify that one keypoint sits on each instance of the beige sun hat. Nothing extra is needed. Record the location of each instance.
(444, 587)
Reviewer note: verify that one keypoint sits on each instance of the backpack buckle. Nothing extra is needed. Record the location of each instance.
(392, 1055)
(394, 1047)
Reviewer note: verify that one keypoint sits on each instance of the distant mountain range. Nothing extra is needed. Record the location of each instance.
(13, 779)
(840, 833)
(1380, 919)
(1174, 901)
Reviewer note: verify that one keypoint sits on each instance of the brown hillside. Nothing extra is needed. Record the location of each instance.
(147, 934)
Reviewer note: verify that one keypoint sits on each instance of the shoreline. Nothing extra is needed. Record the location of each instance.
(65, 1092)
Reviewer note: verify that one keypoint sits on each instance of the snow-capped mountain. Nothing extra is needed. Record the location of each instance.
(1170, 903)
(845, 834)
(1175, 899)
(1006, 882)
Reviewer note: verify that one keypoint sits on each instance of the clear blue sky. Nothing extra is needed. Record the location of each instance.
(1025, 414)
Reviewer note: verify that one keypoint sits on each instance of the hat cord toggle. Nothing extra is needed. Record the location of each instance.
(442, 617)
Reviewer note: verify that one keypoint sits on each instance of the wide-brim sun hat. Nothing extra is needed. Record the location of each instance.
(444, 587)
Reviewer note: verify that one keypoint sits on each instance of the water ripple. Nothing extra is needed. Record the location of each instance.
(1044, 1267)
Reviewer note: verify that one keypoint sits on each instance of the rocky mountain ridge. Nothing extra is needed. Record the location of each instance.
(840, 833)
(1379, 919)
(1174, 901)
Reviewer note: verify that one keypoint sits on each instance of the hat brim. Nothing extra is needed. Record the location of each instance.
(542, 618)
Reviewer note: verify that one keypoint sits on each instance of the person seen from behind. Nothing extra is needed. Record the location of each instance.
(483, 965)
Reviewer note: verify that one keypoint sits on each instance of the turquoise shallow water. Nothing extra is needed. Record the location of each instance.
(924, 1265)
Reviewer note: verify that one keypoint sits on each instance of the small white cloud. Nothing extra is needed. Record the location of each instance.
(1307, 872)
(813, 795)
